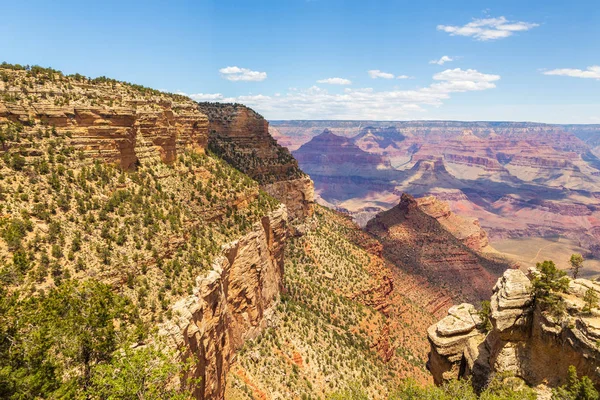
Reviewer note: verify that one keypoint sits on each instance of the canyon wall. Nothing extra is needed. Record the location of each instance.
(518, 179)
(69, 122)
(423, 238)
(523, 341)
(231, 304)
(113, 122)
(241, 137)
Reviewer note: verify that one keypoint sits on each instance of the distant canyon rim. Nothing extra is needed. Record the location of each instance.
(535, 183)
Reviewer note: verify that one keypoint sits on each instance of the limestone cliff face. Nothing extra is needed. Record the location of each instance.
(241, 137)
(523, 341)
(231, 304)
(297, 194)
(110, 120)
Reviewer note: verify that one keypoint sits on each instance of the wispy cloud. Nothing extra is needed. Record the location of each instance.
(592, 72)
(204, 96)
(242, 74)
(488, 28)
(375, 73)
(365, 103)
(443, 60)
(459, 80)
(335, 81)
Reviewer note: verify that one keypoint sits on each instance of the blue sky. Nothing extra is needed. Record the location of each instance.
(299, 59)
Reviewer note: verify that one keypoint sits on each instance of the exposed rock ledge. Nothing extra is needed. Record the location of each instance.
(523, 341)
(297, 194)
(230, 304)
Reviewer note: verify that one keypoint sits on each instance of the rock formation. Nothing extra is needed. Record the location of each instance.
(423, 238)
(518, 179)
(467, 230)
(524, 341)
(111, 121)
(187, 204)
(231, 304)
(241, 137)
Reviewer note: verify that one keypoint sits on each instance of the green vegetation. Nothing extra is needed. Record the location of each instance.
(485, 313)
(591, 300)
(502, 388)
(61, 344)
(575, 388)
(547, 285)
(576, 262)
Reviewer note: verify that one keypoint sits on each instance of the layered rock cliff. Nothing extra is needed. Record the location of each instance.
(231, 304)
(241, 137)
(542, 167)
(106, 119)
(185, 239)
(425, 239)
(523, 342)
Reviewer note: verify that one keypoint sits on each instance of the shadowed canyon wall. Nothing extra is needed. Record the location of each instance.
(241, 137)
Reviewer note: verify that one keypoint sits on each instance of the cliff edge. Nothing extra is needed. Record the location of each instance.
(524, 340)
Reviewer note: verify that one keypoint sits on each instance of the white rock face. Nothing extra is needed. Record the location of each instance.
(511, 300)
(526, 341)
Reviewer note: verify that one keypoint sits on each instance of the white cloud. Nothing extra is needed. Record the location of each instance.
(363, 103)
(335, 81)
(458, 74)
(592, 72)
(242, 74)
(459, 80)
(375, 73)
(442, 60)
(488, 28)
(205, 96)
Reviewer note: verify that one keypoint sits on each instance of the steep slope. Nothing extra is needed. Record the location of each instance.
(107, 185)
(415, 238)
(241, 137)
(348, 317)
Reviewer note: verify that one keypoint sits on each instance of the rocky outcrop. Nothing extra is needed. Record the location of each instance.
(241, 137)
(416, 238)
(111, 120)
(448, 339)
(231, 304)
(467, 230)
(297, 194)
(524, 341)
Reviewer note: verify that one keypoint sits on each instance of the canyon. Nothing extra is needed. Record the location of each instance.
(215, 261)
(95, 146)
(521, 180)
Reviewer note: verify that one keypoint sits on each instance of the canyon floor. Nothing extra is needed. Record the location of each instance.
(529, 251)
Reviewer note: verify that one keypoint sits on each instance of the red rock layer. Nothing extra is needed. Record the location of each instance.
(420, 245)
(241, 137)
